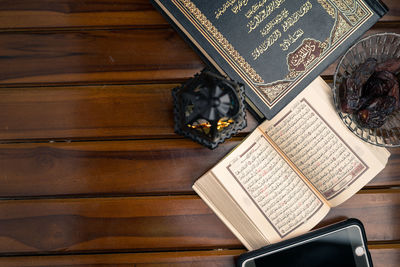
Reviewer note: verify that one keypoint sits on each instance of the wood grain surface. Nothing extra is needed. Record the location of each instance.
(121, 167)
(382, 255)
(155, 223)
(129, 111)
(91, 171)
(95, 56)
(78, 14)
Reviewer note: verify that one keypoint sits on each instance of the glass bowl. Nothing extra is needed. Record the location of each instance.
(381, 46)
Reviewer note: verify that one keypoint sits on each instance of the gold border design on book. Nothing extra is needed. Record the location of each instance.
(349, 15)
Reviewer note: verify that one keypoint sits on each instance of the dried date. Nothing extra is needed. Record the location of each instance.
(351, 89)
(394, 92)
(379, 84)
(374, 114)
(372, 95)
(391, 65)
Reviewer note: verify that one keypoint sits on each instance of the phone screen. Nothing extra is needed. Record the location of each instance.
(344, 247)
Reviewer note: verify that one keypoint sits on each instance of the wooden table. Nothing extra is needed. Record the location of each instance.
(91, 172)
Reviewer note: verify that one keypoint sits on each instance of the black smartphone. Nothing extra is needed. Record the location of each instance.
(343, 244)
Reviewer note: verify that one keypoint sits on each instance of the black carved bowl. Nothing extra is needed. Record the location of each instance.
(382, 46)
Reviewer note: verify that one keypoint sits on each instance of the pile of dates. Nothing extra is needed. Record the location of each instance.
(371, 93)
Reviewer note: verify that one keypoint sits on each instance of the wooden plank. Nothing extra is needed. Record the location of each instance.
(394, 11)
(389, 175)
(370, 207)
(106, 13)
(382, 256)
(96, 168)
(387, 255)
(178, 259)
(154, 223)
(99, 56)
(121, 167)
(110, 224)
(118, 56)
(89, 112)
(189, 258)
(70, 13)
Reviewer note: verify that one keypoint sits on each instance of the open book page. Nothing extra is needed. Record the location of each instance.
(267, 188)
(311, 134)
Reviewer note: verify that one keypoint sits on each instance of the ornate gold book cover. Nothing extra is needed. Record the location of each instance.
(274, 47)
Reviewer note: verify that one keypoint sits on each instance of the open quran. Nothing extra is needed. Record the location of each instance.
(287, 174)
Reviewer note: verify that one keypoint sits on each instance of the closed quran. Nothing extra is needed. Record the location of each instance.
(274, 47)
(288, 173)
